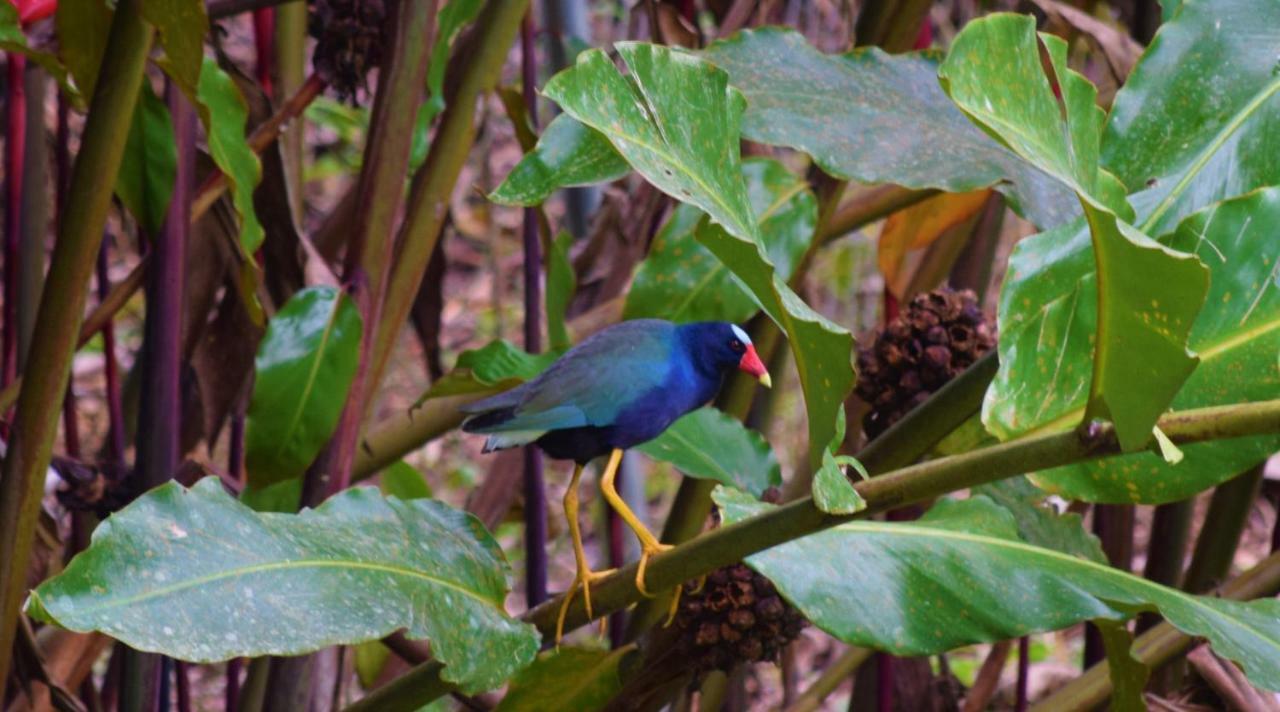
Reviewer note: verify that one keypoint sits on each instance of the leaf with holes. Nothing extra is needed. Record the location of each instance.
(305, 365)
(681, 280)
(196, 575)
(710, 445)
(960, 575)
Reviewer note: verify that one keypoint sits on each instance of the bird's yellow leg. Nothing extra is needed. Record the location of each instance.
(584, 576)
(649, 544)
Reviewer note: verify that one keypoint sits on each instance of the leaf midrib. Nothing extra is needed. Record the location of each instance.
(312, 375)
(917, 530)
(165, 591)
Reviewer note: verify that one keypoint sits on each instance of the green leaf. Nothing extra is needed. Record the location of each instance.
(303, 369)
(150, 163)
(455, 15)
(1128, 675)
(82, 27)
(561, 283)
(1237, 336)
(196, 575)
(1190, 154)
(1148, 295)
(876, 118)
(680, 280)
(567, 154)
(284, 497)
(225, 114)
(710, 445)
(180, 28)
(1219, 145)
(370, 659)
(1039, 524)
(674, 118)
(568, 679)
(832, 491)
(14, 39)
(822, 350)
(982, 584)
(497, 366)
(400, 479)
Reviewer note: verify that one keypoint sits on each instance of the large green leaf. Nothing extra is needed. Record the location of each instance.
(674, 118)
(681, 280)
(1198, 118)
(567, 154)
(822, 350)
(568, 679)
(1197, 121)
(145, 181)
(876, 118)
(223, 110)
(180, 28)
(1148, 295)
(304, 367)
(198, 576)
(1237, 336)
(496, 366)
(1039, 524)
(960, 576)
(711, 445)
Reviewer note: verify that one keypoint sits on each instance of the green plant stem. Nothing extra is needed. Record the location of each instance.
(1158, 645)
(1229, 510)
(836, 673)
(907, 485)
(404, 432)
(479, 67)
(291, 72)
(379, 196)
(62, 304)
(1167, 550)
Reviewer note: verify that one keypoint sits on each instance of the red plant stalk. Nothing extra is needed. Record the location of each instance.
(15, 166)
(264, 32)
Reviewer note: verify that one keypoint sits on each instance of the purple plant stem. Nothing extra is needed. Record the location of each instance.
(15, 166)
(182, 684)
(115, 403)
(535, 502)
(160, 409)
(1024, 672)
(884, 682)
(232, 699)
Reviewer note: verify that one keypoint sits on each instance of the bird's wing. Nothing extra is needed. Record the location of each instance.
(592, 383)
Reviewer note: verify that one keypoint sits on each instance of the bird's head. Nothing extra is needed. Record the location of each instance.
(725, 346)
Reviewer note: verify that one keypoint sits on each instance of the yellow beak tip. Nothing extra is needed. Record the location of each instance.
(766, 381)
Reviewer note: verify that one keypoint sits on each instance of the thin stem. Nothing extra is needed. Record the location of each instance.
(1024, 673)
(292, 62)
(535, 499)
(908, 485)
(15, 164)
(1228, 513)
(379, 196)
(53, 343)
(1159, 645)
(830, 679)
(493, 34)
(1166, 550)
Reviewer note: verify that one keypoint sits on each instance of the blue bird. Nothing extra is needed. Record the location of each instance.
(617, 389)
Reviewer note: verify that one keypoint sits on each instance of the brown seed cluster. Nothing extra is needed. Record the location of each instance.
(349, 43)
(736, 617)
(938, 335)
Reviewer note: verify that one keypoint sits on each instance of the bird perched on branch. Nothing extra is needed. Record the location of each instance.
(619, 388)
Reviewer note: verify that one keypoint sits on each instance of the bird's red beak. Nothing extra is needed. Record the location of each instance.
(752, 364)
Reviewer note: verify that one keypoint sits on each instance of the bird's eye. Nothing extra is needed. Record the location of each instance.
(736, 345)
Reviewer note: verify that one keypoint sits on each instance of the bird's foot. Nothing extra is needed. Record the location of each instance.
(584, 578)
(646, 551)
